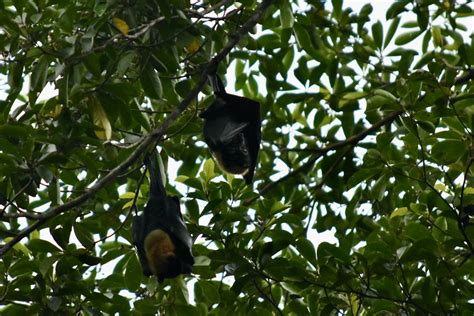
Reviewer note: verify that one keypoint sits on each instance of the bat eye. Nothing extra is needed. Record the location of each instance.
(244, 149)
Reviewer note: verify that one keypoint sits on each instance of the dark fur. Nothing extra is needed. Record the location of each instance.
(232, 130)
(163, 212)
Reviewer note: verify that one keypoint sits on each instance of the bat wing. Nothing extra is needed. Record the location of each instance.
(227, 117)
(138, 236)
(180, 234)
(253, 135)
(221, 131)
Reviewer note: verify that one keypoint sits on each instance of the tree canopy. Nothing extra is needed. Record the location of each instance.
(367, 137)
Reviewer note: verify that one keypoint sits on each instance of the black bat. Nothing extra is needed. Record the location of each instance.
(232, 130)
(160, 234)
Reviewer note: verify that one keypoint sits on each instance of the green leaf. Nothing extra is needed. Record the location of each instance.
(39, 74)
(303, 39)
(391, 31)
(377, 33)
(378, 190)
(206, 291)
(337, 8)
(402, 211)
(396, 8)
(354, 95)
(306, 248)
(286, 15)
(361, 175)
(132, 273)
(448, 151)
(407, 37)
(40, 245)
(151, 83)
(437, 36)
(387, 95)
(84, 235)
(440, 229)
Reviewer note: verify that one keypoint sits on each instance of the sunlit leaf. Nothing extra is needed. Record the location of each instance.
(121, 25)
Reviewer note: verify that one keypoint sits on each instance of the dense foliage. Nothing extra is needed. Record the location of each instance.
(367, 138)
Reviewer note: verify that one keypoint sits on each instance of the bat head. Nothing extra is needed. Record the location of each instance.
(160, 252)
(233, 156)
(166, 255)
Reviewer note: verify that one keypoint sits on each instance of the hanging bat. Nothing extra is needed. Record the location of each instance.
(232, 131)
(160, 235)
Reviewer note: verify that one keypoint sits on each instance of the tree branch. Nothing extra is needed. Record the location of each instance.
(147, 140)
(353, 140)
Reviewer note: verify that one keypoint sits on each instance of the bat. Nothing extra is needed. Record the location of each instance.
(232, 131)
(160, 235)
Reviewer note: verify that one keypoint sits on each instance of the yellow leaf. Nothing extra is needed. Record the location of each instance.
(101, 121)
(35, 234)
(181, 178)
(21, 247)
(54, 114)
(209, 168)
(402, 211)
(127, 195)
(121, 25)
(469, 190)
(440, 187)
(193, 46)
(127, 205)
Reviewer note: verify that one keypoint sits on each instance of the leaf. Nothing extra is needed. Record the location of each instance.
(132, 271)
(407, 37)
(391, 31)
(151, 83)
(303, 39)
(127, 195)
(377, 33)
(387, 95)
(361, 175)
(121, 25)
(438, 40)
(202, 261)
(99, 118)
(40, 245)
(440, 228)
(396, 8)
(208, 169)
(354, 95)
(84, 235)
(448, 151)
(416, 231)
(193, 46)
(206, 291)
(402, 211)
(39, 74)
(125, 63)
(378, 190)
(286, 15)
(306, 248)
(337, 7)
